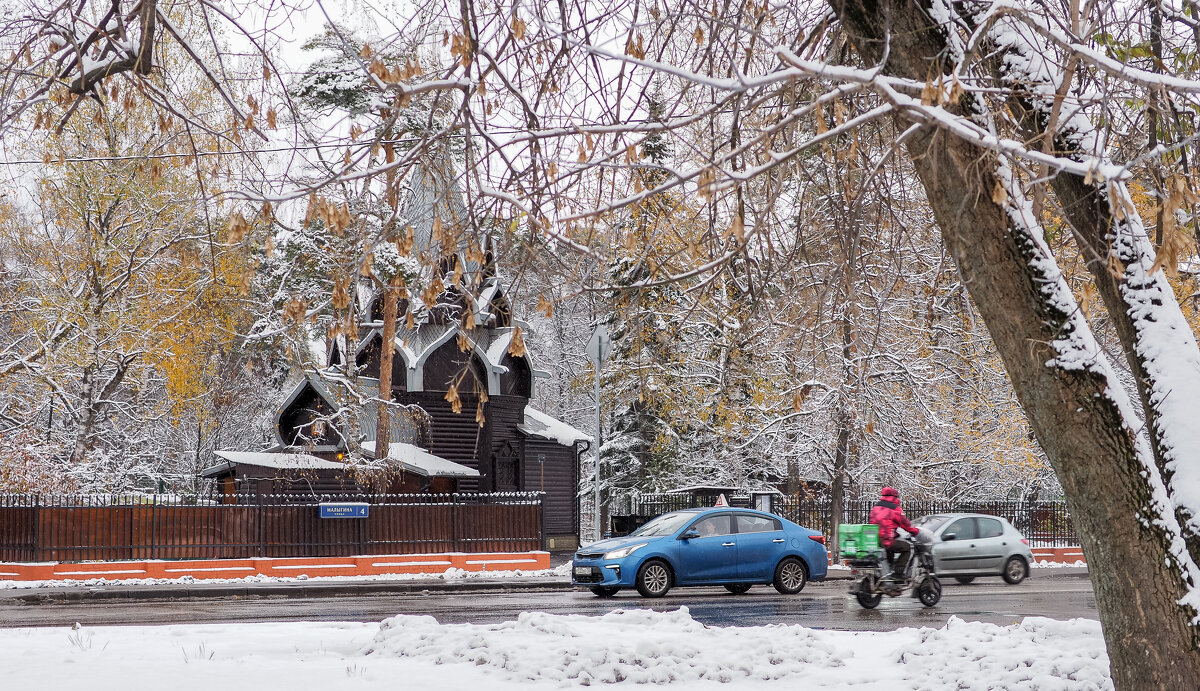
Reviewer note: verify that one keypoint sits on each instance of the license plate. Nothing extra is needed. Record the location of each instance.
(583, 570)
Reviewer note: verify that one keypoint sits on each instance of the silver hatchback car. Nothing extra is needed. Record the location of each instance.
(968, 545)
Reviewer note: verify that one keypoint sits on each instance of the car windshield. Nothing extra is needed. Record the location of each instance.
(664, 524)
(930, 523)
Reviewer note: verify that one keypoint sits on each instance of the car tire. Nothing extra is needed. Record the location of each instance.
(738, 588)
(1015, 570)
(965, 580)
(604, 590)
(930, 591)
(790, 576)
(654, 578)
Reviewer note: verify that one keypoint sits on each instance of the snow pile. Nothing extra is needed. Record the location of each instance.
(671, 648)
(544, 651)
(1035, 654)
(561, 572)
(637, 646)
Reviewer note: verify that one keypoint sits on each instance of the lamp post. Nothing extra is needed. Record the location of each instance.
(597, 349)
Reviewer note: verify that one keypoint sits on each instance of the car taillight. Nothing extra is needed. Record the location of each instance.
(818, 538)
(1025, 542)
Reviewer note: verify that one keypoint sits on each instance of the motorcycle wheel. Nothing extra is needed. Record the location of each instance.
(864, 595)
(930, 591)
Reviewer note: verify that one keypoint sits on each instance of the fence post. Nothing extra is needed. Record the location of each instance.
(454, 522)
(37, 527)
(259, 521)
(154, 527)
(542, 518)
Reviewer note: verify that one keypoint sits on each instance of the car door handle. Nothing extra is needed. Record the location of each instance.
(728, 544)
(778, 540)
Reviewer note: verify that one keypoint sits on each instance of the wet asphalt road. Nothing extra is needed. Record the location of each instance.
(820, 605)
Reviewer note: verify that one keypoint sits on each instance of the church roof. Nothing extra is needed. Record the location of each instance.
(543, 426)
(263, 459)
(417, 460)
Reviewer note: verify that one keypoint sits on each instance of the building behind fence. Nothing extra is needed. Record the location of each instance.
(1043, 523)
(58, 528)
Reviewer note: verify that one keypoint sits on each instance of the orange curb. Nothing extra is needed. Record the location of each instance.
(200, 569)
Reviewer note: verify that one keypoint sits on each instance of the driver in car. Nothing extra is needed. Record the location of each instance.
(888, 515)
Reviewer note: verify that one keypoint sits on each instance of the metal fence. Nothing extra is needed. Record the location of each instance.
(1043, 523)
(62, 528)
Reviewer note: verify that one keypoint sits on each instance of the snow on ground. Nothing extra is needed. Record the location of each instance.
(561, 572)
(543, 650)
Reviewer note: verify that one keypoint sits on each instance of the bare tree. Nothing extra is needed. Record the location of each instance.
(997, 106)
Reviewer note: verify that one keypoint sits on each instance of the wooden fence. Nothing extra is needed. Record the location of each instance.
(41, 528)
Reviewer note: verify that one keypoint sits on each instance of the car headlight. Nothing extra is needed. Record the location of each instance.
(624, 551)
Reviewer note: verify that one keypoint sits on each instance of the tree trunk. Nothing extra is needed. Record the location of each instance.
(387, 350)
(1074, 404)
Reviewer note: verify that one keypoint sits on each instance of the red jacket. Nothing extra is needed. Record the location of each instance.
(889, 516)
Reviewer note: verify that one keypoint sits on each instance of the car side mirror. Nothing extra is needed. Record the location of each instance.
(949, 536)
(689, 535)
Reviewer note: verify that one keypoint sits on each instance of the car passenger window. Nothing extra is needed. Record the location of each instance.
(963, 529)
(713, 525)
(989, 527)
(747, 523)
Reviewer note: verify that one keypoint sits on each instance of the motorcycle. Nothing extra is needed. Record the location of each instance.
(918, 575)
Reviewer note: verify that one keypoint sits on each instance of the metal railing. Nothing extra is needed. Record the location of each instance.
(85, 528)
(1043, 523)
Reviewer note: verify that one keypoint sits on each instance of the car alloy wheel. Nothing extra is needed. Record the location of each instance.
(654, 579)
(604, 591)
(1015, 570)
(738, 588)
(790, 576)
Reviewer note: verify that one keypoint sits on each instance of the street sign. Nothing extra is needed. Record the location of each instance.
(344, 509)
(599, 344)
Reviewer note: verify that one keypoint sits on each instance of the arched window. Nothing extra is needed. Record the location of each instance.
(304, 422)
(448, 365)
(518, 380)
(371, 355)
(375, 309)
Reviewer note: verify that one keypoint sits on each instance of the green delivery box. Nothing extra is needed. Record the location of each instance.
(858, 540)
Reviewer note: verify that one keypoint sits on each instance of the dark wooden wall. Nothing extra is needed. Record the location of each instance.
(558, 476)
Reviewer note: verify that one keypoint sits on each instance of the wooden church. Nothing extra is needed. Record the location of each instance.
(497, 442)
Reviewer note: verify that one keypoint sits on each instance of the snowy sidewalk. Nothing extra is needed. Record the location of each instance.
(546, 651)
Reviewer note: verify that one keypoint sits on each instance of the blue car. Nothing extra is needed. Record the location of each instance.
(736, 548)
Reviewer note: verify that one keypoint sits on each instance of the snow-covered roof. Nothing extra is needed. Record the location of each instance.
(417, 460)
(499, 347)
(539, 424)
(282, 461)
(703, 488)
